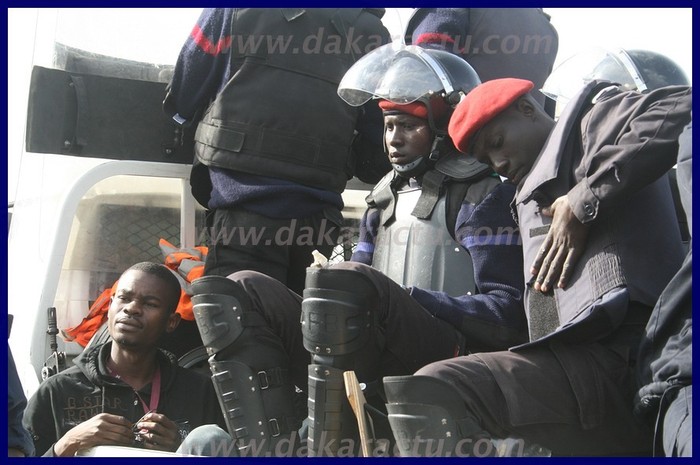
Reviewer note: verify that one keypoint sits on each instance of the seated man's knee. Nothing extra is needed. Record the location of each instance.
(450, 369)
(440, 370)
(338, 311)
(353, 266)
(218, 305)
(250, 279)
(209, 441)
(372, 275)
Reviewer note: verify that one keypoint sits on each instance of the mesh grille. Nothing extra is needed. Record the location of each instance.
(122, 235)
(125, 234)
(347, 241)
(131, 234)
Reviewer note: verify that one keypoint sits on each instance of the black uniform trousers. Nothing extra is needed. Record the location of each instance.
(573, 399)
(407, 336)
(281, 248)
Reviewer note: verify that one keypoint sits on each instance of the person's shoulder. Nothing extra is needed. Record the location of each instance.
(491, 199)
(490, 181)
(382, 184)
(615, 100)
(670, 92)
(505, 188)
(68, 373)
(60, 380)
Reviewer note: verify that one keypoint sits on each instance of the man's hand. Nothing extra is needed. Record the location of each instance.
(158, 432)
(102, 429)
(562, 248)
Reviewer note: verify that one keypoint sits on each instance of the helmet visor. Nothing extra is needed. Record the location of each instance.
(396, 72)
(595, 64)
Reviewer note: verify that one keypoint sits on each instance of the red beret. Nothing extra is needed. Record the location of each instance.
(417, 108)
(481, 105)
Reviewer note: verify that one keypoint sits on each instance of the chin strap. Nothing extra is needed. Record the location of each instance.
(410, 170)
(436, 150)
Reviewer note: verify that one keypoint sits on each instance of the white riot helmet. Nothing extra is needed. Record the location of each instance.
(404, 74)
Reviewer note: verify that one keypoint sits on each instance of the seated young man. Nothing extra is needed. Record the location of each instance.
(126, 392)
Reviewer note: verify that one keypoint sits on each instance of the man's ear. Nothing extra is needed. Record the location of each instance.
(173, 321)
(525, 106)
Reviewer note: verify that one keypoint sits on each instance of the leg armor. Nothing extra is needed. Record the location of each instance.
(249, 369)
(338, 326)
(429, 419)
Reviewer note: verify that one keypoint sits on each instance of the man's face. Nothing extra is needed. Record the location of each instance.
(407, 137)
(139, 312)
(510, 143)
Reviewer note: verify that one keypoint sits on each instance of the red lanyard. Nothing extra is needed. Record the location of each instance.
(155, 394)
(155, 389)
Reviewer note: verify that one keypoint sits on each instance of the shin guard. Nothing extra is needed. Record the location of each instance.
(249, 372)
(338, 323)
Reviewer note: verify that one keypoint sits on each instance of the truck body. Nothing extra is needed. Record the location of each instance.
(102, 176)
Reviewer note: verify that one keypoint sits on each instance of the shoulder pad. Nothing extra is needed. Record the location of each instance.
(384, 183)
(606, 92)
(462, 167)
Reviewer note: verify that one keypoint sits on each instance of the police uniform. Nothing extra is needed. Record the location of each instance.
(353, 316)
(665, 361)
(275, 145)
(570, 389)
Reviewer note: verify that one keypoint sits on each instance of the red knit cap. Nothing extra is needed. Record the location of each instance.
(481, 105)
(417, 109)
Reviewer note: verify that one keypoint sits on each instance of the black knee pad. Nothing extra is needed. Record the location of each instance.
(338, 312)
(338, 318)
(219, 305)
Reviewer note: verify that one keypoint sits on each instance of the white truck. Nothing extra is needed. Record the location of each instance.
(102, 175)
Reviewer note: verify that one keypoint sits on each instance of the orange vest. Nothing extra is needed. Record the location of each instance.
(187, 264)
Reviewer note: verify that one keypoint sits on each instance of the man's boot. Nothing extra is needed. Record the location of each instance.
(249, 368)
(338, 323)
(429, 419)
